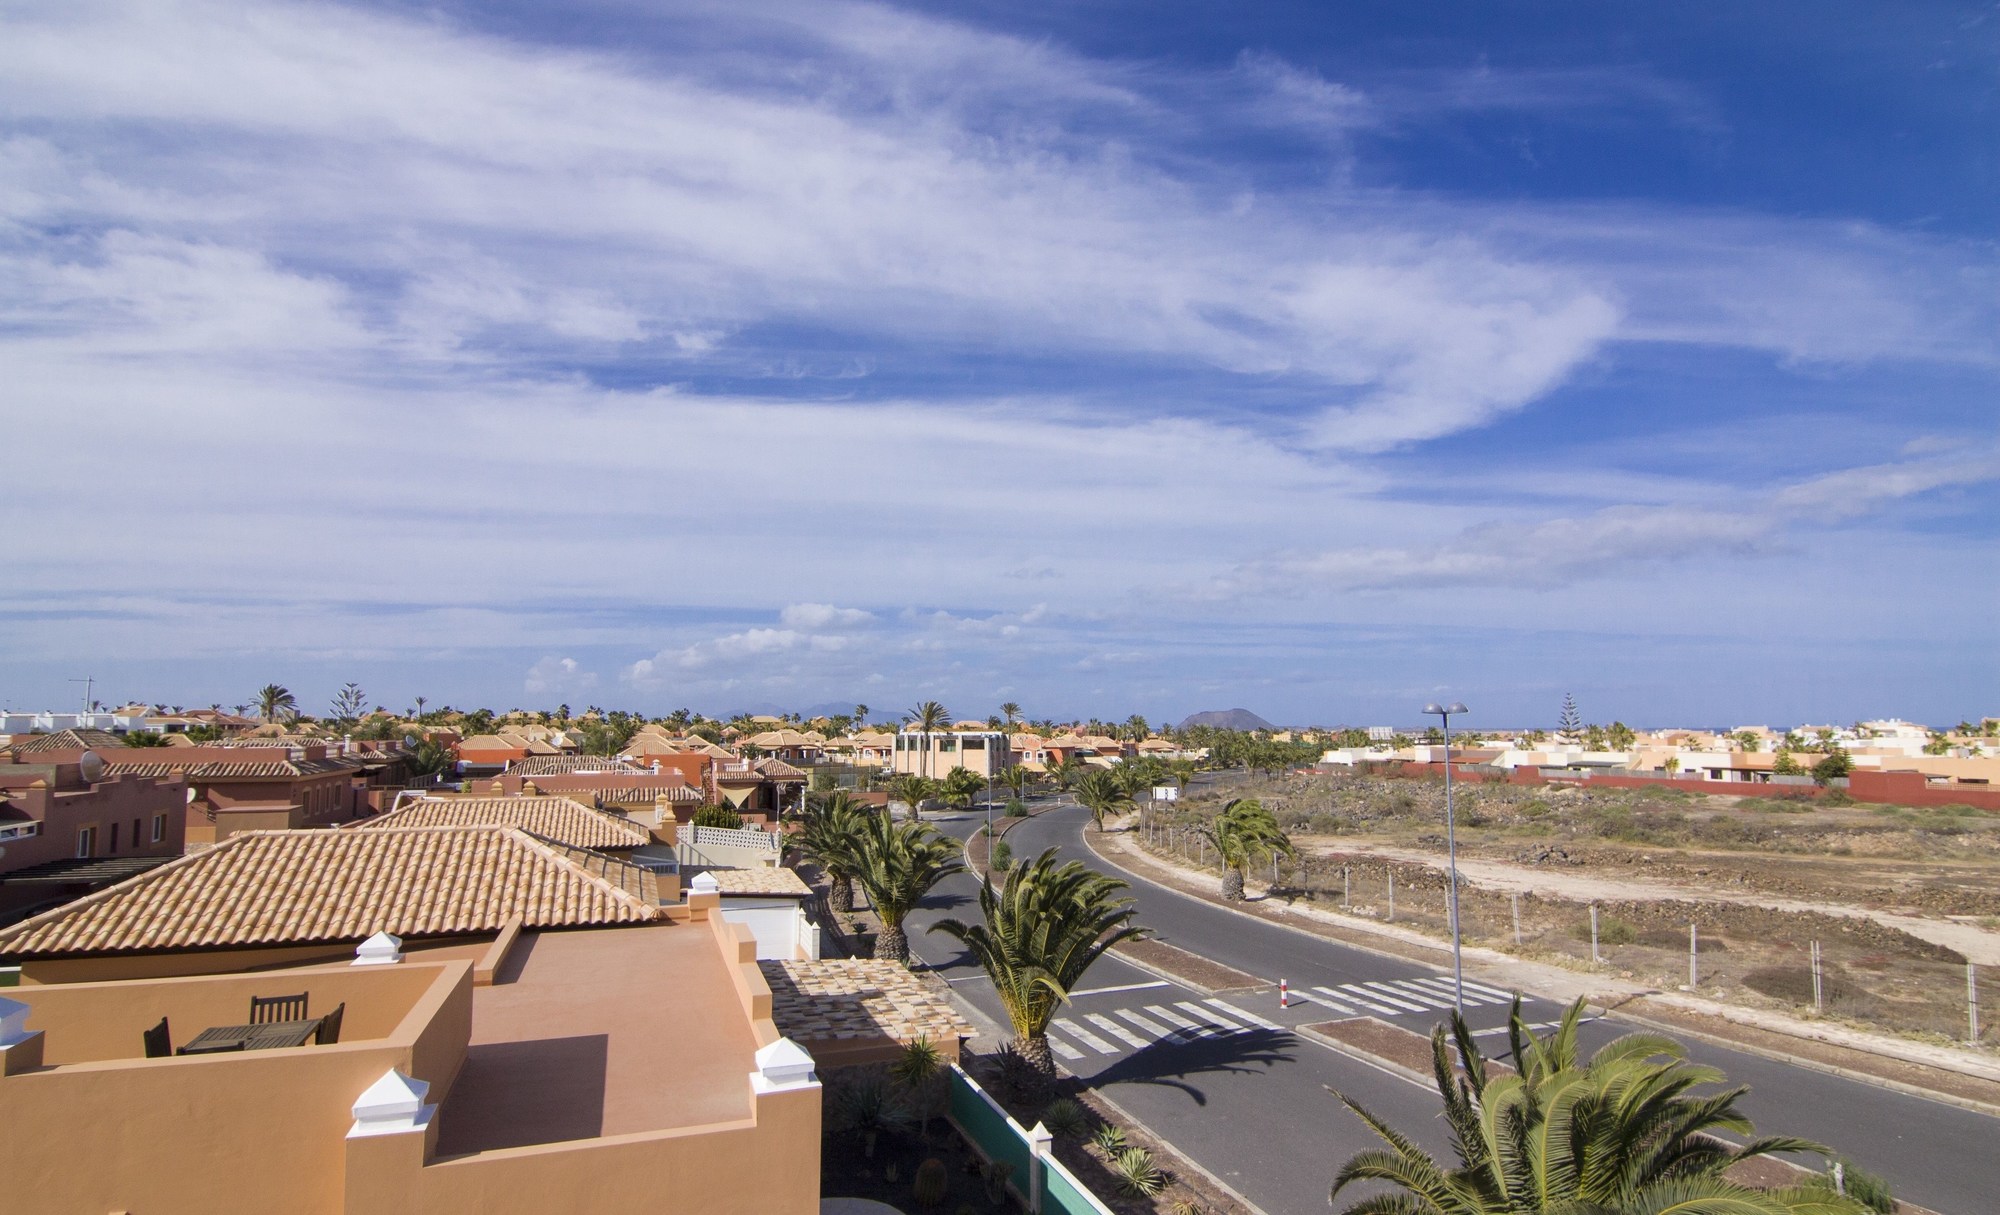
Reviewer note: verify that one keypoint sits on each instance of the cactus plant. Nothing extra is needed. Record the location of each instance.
(1110, 1140)
(931, 1185)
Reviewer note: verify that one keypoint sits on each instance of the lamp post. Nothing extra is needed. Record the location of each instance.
(1451, 851)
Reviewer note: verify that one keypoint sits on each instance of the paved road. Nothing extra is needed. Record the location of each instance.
(1234, 1089)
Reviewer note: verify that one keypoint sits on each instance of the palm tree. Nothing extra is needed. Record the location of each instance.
(828, 835)
(928, 718)
(1042, 931)
(897, 864)
(913, 791)
(1066, 771)
(274, 701)
(1619, 1133)
(959, 786)
(1016, 779)
(1011, 711)
(1100, 793)
(1242, 833)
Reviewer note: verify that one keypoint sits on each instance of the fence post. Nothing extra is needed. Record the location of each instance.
(1595, 957)
(1392, 894)
(1972, 1001)
(1041, 1145)
(1694, 952)
(1346, 896)
(1517, 919)
(1819, 992)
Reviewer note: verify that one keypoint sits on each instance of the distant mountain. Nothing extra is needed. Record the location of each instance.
(1228, 719)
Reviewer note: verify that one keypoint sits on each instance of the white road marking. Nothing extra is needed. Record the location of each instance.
(1501, 1029)
(1144, 1022)
(1063, 1048)
(1214, 1020)
(1116, 1030)
(1251, 1017)
(1389, 995)
(1444, 986)
(1372, 1001)
(1186, 1030)
(1422, 995)
(1505, 996)
(1085, 1036)
(1329, 997)
(1105, 991)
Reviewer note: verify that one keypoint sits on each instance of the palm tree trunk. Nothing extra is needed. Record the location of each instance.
(1232, 884)
(841, 896)
(1035, 1049)
(891, 944)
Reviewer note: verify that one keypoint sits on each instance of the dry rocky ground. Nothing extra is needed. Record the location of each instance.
(1897, 899)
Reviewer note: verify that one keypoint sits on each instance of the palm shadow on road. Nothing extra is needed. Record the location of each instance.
(1171, 1064)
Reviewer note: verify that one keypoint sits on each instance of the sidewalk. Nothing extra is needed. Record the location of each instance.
(1958, 1077)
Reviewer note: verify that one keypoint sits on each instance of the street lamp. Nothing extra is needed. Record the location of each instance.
(1451, 850)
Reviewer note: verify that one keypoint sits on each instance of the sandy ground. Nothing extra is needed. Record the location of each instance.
(1975, 943)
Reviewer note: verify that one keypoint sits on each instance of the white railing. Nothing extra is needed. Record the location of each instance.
(725, 837)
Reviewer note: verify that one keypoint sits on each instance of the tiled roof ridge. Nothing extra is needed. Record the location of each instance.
(562, 854)
(512, 893)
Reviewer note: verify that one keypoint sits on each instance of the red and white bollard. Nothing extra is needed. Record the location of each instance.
(1284, 994)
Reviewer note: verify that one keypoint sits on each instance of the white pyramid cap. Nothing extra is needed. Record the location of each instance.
(379, 950)
(783, 1064)
(392, 1104)
(705, 883)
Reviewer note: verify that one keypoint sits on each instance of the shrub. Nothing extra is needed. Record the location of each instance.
(1016, 808)
(718, 816)
(1138, 1176)
(1610, 931)
(1065, 1117)
(931, 1184)
(1535, 807)
(1865, 1187)
(1110, 1139)
(1003, 856)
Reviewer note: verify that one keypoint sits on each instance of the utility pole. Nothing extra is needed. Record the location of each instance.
(87, 681)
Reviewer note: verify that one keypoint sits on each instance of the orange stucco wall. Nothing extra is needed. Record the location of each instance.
(259, 1131)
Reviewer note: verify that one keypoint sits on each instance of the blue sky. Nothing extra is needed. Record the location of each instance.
(1107, 358)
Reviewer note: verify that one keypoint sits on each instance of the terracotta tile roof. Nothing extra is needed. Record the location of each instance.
(555, 818)
(216, 769)
(846, 998)
(763, 880)
(306, 887)
(563, 765)
(676, 795)
(65, 740)
(778, 769)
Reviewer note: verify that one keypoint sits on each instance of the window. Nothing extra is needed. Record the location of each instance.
(975, 744)
(135, 833)
(948, 743)
(114, 837)
(159, 827)
(86, 842)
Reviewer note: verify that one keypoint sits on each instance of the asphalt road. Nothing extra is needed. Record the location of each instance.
(1233, 1089)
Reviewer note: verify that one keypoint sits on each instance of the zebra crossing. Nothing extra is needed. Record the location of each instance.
(1116, 1031)
(1401, 997)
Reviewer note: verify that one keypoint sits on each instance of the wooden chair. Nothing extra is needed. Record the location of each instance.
(329, 1026)
(266, 1009)
(159, 1042)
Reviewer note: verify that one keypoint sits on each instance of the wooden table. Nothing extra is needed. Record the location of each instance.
(269, 1036)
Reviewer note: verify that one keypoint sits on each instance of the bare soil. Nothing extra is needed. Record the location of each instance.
(1897, 900)
(1190, 968)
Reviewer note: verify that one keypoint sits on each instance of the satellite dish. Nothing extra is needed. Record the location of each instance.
(91, 764)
